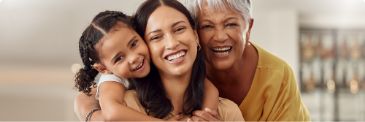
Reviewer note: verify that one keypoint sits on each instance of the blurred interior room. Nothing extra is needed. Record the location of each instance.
(322, 40)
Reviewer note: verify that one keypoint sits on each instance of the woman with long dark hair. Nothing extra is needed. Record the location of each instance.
(176, 83)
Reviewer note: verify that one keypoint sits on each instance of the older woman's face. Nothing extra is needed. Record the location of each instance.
(223, 36)
(171, 40)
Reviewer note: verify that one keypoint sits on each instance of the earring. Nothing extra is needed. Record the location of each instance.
(197, 42)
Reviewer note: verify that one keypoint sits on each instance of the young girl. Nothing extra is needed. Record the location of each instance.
(111, 46)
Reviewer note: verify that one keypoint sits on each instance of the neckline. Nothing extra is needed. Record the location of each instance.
(253, 85)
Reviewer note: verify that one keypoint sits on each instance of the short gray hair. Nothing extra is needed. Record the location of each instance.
(241, 6)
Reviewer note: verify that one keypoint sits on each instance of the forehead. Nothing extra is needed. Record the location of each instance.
(164, 15)
(114, 40)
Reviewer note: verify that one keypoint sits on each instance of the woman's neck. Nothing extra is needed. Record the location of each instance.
(175, 87)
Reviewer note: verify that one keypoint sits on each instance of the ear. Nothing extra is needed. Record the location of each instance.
(249, 29)
(101, 68)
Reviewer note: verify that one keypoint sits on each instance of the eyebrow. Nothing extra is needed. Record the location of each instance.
(115, 57)
(131, 40)
(231, 18)
(119, 53)
(153, 31)
(176, 23)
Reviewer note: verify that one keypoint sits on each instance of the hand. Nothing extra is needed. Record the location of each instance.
(205, 115)
(196, 119)
(178, 117)
(83, 104)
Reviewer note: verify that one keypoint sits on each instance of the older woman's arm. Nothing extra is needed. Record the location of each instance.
(84, 104)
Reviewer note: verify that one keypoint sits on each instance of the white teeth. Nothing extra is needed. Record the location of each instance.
(175, 56)
(139, 66)
(221, 49)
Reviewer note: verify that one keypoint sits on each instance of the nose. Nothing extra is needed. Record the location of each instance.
(171, 42)
(133, 58)
(220, 35)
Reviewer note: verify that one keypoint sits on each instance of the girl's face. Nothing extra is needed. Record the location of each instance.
(171, 40)
(223, 36)
(123, 53)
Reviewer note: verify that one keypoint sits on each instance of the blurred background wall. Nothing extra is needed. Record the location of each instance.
(39, 47)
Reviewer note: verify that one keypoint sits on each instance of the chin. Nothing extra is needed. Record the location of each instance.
(179, 71)
(222, 65)
(143, 74)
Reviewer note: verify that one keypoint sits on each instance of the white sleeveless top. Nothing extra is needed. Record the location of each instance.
(110, 78)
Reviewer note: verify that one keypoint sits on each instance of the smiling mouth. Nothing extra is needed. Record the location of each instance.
(176, 57)
(222, 51)
(139, 66)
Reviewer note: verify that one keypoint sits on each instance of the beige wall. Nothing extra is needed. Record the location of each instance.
(38, 45)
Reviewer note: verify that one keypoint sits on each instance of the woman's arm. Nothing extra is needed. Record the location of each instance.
(211, 96)
(84, 104)
(113, 108)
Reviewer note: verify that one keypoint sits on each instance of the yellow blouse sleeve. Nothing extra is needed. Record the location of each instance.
(274, 94)
(288, 104)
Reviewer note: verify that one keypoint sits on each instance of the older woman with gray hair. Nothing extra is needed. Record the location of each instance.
(261, 84)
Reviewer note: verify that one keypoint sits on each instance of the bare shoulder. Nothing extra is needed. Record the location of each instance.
(210, 87)
(206, 80)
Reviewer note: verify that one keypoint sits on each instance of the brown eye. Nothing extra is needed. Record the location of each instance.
(231, 25)
(134, 43)
(120, 58)
(180, 29)
(155, 37)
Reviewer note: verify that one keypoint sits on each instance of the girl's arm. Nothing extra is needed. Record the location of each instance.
(211, 96)
(113, 108)
(84, 104)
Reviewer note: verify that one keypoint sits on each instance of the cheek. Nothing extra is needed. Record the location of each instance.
(237, 35)
(188, 38)
(143, 49)
(155, 51)
(122, 70)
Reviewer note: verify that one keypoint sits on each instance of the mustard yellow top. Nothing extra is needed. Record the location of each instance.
(274, 94)
(227, 109)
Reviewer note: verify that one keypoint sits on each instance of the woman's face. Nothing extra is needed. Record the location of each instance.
(222, 35)
(171, 40)
(123, 53)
